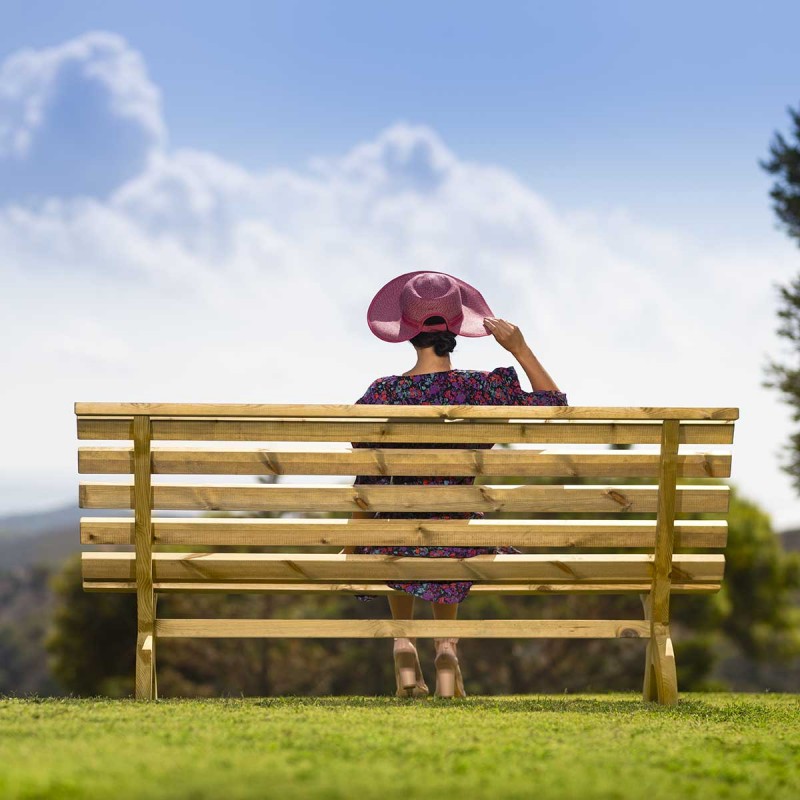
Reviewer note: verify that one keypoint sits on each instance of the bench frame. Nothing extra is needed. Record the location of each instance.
(660, 680)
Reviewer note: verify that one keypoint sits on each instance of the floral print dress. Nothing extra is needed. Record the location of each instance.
(500, 387)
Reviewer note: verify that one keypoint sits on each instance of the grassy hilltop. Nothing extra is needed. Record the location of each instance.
(605, 746)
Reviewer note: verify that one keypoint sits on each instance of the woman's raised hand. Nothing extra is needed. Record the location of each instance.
(507, 334)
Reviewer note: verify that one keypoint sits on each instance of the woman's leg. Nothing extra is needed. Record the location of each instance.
(408, 672)
(449, 682)
(402, 607)
(445, 610)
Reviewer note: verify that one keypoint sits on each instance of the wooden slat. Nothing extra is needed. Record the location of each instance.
(343, 532)
(382, 628)
(238, 587)
(400, 461)
(634, 498)
(538, 568)
(402, 432)
(441, 411)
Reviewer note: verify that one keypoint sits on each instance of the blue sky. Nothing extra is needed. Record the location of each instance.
(665, 107)
(247, 175)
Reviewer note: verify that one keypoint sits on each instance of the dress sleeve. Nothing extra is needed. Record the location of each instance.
(504, 389)
(372, 396)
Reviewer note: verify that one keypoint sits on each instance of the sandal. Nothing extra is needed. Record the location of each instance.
(407, 670)
(449, 682)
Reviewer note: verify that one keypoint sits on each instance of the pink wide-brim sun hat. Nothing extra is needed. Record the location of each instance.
(398, 311)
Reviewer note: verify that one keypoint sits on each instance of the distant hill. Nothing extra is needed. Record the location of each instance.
(42, 537)
(35, 523)
(47, 537)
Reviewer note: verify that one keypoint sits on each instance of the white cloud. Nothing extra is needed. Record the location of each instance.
(198, 280)
(29, 82)
(85, 342)
(76, 119)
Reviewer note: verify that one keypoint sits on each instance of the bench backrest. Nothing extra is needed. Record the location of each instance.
(294, 433)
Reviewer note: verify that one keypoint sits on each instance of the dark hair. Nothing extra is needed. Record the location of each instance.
(442, 342)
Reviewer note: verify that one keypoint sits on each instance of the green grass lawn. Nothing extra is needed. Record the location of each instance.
(610, 746)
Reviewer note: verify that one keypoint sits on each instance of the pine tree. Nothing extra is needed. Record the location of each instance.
(784, 163)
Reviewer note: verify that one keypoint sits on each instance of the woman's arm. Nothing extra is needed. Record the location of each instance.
(536, 373)
(510, 337)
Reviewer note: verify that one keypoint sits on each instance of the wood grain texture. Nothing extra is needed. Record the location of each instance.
(661, 653)
(649, 685)
(538, 568)
(568, 533)
(386, 628)
(666, 677)
(438, 411)
(341, 587)
(377, 432)
(143, 565)
(143, 686)
(399, 461)
(585, 498)
(654, 576)
(668, 504)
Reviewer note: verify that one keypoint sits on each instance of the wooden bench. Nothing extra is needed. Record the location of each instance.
(649, 561)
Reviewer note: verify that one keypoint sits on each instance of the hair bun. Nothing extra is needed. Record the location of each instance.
(445, 343)
(442, 342)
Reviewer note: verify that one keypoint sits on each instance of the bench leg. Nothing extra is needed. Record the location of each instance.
(145, 666)
(660, 677)
(666, 678)
(649, 690)
(153, 671)
(153, 658)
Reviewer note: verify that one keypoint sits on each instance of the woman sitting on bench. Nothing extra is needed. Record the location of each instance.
(430, 309)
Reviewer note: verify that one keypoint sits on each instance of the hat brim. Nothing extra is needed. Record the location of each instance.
(384, 315)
